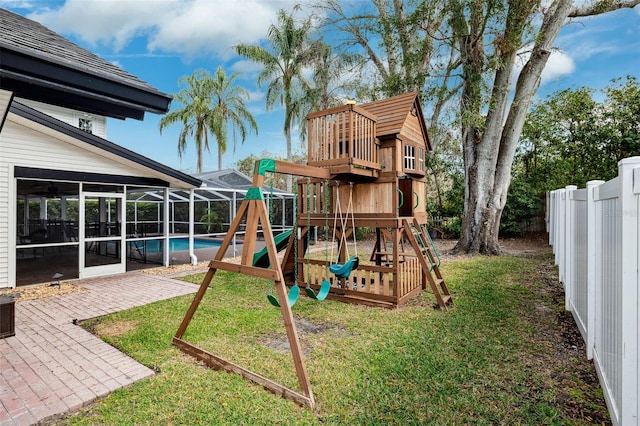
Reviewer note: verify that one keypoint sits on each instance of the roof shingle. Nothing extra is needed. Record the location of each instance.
(391, 112)
(31, 38)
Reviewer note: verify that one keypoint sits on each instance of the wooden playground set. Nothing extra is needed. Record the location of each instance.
(365, 169)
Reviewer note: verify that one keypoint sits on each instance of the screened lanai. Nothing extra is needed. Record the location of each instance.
(49, 214)
(214, 208)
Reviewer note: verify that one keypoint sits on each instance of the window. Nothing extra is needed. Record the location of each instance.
(86, 124)
(409, 157)
(414, 159)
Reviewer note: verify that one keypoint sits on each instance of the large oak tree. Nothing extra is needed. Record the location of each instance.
(490, 144)
(472, 45)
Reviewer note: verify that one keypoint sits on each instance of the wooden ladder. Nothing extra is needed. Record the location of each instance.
(428, 256)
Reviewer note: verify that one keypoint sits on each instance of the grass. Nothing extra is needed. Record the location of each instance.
(492, 359)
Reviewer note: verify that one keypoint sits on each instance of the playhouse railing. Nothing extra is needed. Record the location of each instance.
(377, 283)
(314, 198)
(343, 135)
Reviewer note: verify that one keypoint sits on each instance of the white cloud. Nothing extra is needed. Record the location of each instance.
(107, 22)
(246, 67)
(203, 26)
(16, 4)
(590, 48)
(188, 27)
(594, 36)
(256, 95)
(558, 65)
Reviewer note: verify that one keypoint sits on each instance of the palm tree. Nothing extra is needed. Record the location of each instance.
(196, 115)
(330, 82)
(229, 109)
(284, 60)
(209, 104)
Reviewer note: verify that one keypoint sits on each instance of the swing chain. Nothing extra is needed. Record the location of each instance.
(297, 230)
(344, 223)
(353, 220)
(326, 227)
(309, 231)
(338, 211)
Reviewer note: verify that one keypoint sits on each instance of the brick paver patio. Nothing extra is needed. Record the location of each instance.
(52, 366)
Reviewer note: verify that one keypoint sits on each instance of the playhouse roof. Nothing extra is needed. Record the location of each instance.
(32, 56)
(394, 113)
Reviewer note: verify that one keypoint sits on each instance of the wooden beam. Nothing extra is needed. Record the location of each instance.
(244, 269)
(301, 170)
(287, 317)
(255, 212)
(253, 218)
(196, 302)
(218, 363)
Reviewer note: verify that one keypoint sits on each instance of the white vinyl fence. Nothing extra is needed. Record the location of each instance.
(594, 234)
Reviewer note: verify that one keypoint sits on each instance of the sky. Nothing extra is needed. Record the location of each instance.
(161, 40)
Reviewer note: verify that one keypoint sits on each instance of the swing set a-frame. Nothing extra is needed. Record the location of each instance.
(366, 168)
(254, 210)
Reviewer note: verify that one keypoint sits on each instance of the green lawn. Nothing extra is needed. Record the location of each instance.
(498, 357)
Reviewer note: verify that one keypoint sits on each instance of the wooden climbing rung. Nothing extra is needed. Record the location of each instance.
(423, 247)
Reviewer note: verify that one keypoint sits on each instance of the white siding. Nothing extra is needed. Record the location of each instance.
(5, 98)
(69, 116)
(22, 146)
(5, 225)
(27, 144)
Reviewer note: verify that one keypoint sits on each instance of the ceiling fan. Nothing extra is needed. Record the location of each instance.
(52, 192)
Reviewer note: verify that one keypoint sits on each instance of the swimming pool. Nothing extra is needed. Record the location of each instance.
(175, 244)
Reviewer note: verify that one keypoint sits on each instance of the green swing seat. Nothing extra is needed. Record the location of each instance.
(344, 270)
(322, 294)
(292, 298)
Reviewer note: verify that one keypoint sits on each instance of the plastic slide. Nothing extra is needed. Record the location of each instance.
(261, 258)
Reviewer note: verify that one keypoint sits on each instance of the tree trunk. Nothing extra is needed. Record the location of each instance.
(488, 161)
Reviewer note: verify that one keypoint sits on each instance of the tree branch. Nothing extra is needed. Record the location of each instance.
(602, 6)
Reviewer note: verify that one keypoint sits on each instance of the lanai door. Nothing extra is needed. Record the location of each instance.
(102, 234)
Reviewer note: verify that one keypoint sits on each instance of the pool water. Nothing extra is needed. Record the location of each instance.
(176, 244)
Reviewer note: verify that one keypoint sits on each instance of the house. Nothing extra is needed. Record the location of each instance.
(63, 186)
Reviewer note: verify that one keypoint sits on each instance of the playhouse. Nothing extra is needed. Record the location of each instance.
(375, 156)
(365, 169)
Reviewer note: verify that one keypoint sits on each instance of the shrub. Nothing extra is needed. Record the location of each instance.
(451, 227)
(522, 203)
